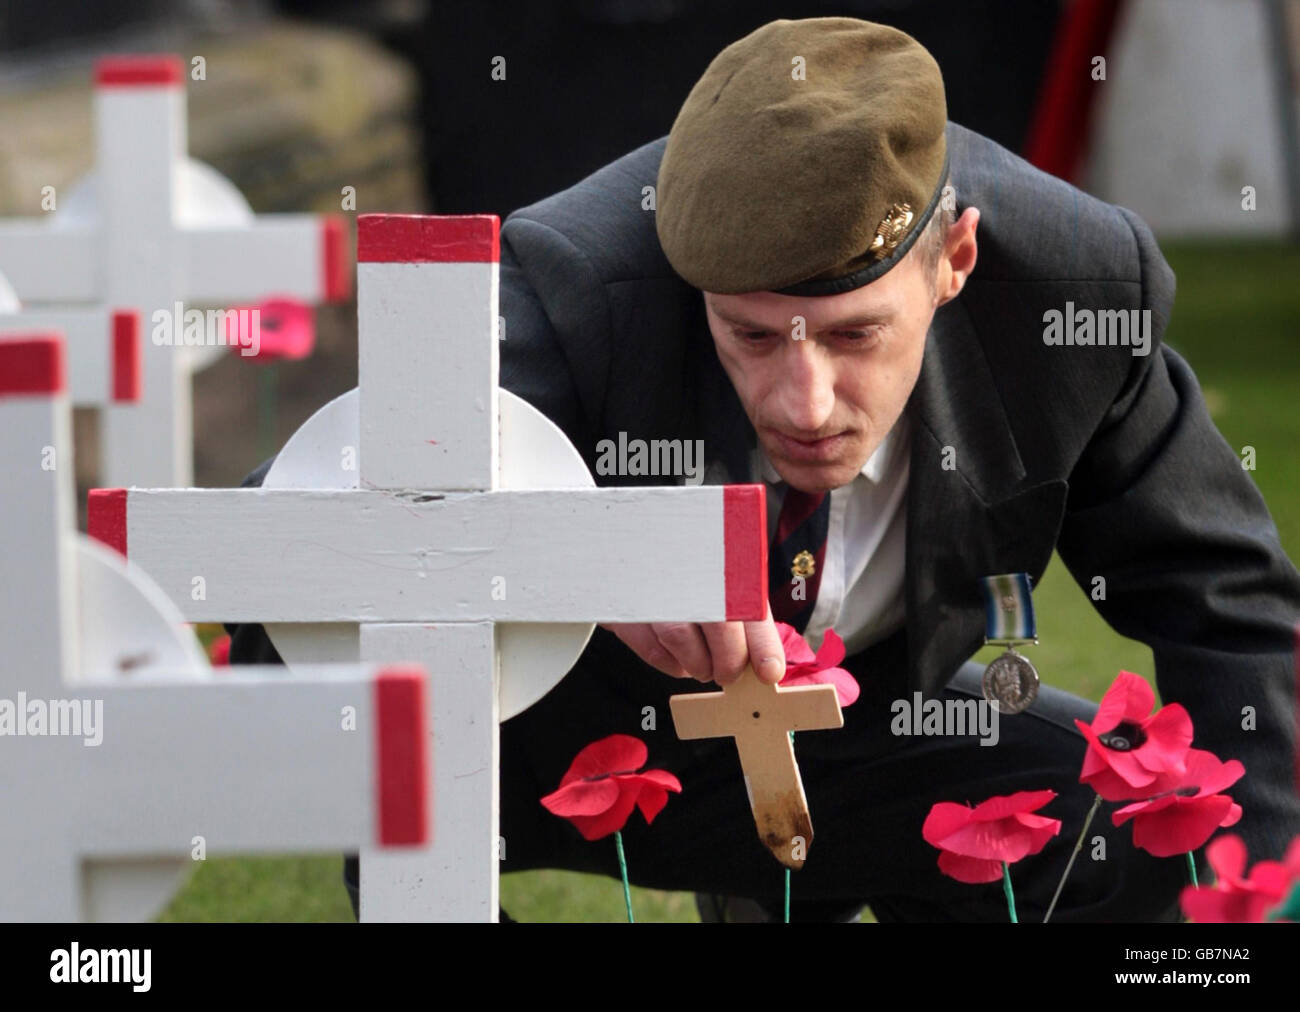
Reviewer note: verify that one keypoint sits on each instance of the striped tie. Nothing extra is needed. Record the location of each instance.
(798, 548)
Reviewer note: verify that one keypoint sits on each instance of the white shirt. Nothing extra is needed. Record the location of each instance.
(861, 590)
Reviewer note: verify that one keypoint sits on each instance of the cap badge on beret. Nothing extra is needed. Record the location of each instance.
(892, 228)
(777, 182)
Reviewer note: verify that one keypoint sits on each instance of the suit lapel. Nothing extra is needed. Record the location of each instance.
(970, 512)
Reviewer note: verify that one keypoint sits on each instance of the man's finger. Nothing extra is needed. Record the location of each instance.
(765, 651)
(641, 640)
(688, 647)
(728, 649)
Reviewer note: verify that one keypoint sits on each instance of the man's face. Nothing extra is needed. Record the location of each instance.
(823, 404)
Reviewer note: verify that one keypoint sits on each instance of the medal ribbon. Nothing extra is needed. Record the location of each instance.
(1009, 608)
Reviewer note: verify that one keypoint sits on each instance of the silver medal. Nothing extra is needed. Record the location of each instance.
(1010, 683)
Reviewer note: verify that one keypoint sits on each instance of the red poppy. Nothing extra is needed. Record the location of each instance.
(1234, 899)
(602, 787)
(975, 841)
(219, 651)
(285, 329)
(803, 667)
(1133, 753)
(1189, 810)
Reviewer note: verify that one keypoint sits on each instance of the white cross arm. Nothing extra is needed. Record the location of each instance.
(603, 555)
(302, 256)
(103, 349)
(347, 756)
(139, 772)
(45, 264)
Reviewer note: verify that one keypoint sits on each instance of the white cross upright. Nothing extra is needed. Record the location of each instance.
(477, 550)
(123, 757)
(762, 717)
(103, 346)
(153, 229)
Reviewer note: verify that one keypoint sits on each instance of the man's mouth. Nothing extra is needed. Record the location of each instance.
(814, 451)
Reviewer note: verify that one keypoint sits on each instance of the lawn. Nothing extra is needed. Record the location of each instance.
(1236, 321)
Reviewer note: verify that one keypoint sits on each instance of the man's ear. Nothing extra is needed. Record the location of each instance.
(960, 251)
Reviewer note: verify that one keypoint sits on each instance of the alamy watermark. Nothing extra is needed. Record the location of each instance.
(195, 328)
(1100, 327)
(83, 718)
(658, 457)
(945, 718)
(75, 965)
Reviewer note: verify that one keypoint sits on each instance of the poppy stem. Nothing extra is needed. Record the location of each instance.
(1006, 888)
(787, 871)
(267, 382)
(1078, 846)
(1191, 868)
(622, 867)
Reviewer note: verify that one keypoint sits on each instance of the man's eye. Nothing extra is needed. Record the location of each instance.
(753, 335)
(863, 336)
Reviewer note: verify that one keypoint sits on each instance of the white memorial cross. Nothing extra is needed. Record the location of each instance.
(153, 229)
(479, 551)
(121, 752)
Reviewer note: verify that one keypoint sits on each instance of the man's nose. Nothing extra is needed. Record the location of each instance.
(809, 386)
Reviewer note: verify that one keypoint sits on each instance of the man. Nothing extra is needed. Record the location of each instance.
(844, 296)
(953, 440)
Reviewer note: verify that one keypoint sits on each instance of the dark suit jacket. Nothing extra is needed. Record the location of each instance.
(1108, 457)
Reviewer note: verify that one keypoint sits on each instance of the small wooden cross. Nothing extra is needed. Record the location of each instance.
(760, 717)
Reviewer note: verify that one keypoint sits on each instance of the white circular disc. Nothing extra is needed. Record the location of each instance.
(207, 198)
(535, 453)
(127, 626)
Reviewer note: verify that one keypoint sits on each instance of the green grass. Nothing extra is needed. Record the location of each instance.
(304, 889)
(1236, 320)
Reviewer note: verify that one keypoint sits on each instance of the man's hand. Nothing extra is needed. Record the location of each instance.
(709, 651)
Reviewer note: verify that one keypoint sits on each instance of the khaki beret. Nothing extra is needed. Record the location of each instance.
(805, 161)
